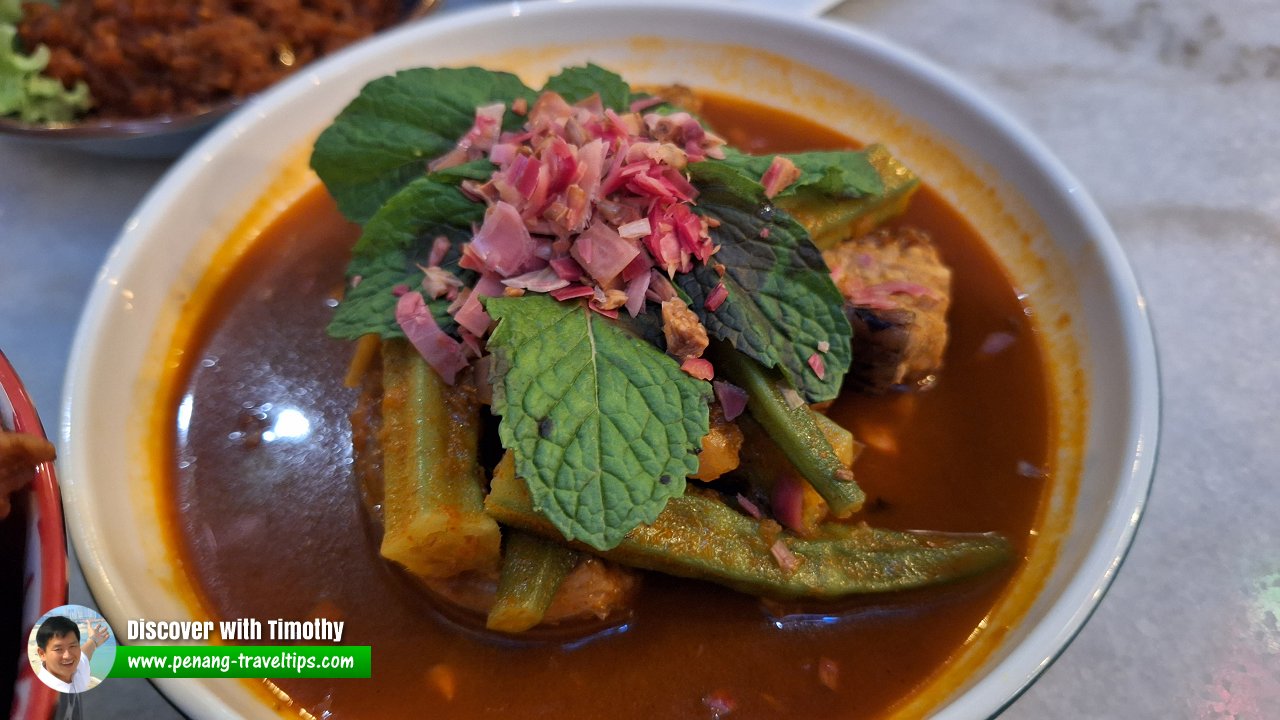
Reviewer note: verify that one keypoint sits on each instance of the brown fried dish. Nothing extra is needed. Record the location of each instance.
(142, 58)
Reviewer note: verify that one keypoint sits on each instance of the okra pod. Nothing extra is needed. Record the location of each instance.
(791, 425)
(701, 537)
(532, 570)
(764, 467)
(830, 221)
(433, 502)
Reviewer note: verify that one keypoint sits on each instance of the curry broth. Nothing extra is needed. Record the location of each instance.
(268, 519)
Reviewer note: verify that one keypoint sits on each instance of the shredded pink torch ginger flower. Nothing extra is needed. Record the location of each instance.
(818, 367)
(787, 560)
(441, 352)
(700, 368)
(781, 174)
(584, 202)
(732, 399)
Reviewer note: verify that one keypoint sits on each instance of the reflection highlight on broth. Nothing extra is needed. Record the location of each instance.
(292, 493)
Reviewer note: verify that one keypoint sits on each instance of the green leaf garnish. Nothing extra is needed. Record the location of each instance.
(393, 248)
(580, 83)
(386, 136)
(370, 306)
(419, 211)
(604, 427)
(832, 174)
(782, 303)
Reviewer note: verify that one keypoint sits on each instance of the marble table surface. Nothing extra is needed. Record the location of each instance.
(1169, 112)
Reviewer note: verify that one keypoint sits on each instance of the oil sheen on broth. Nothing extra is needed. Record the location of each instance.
(269, 523)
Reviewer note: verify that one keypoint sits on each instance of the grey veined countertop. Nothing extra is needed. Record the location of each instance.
(1169, 113)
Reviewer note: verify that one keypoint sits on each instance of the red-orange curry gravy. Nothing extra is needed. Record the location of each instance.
(268, 519)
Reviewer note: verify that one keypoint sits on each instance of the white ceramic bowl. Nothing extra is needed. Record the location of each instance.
(1041, 224)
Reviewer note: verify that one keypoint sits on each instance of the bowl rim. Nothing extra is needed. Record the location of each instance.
(1080, 597)
(49, 528)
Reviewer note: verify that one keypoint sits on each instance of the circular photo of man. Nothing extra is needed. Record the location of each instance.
(71, 648)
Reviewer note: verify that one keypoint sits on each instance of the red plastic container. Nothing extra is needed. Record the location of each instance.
(39, 552)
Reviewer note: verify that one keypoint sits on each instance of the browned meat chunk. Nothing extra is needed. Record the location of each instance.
(158, 57)
(594, 591)
(20, 453)
(686, 337)
(897, 291)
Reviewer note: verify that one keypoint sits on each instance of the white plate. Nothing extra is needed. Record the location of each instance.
(1042, 225)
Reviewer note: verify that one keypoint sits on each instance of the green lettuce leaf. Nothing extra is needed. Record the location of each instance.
(25, 92)
(384, 138)
(782, 303)
(604, 427)
(832, 174)
(10, 11)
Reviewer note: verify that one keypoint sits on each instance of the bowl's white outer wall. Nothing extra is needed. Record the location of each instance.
(113, 519)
